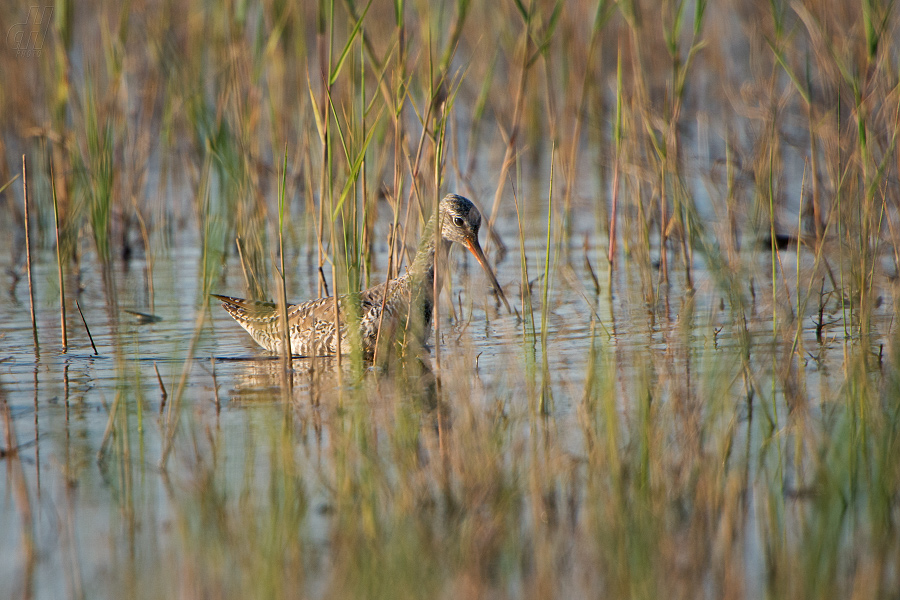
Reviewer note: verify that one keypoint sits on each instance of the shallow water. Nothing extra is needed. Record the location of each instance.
(85, 506)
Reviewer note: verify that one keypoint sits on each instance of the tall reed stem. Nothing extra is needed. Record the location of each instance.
(546, 394)
(611, 255)
(287, 378)
(59, 269)
(34, 331)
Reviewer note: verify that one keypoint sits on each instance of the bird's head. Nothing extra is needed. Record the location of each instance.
(460, 222)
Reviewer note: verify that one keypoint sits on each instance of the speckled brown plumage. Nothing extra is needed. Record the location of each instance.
(407, 308)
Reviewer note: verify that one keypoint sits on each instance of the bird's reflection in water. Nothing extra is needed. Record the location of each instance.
(320, 380)
(327, 401)
(261, 379)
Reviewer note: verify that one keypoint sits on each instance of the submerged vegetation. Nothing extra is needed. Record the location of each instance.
(694, 206)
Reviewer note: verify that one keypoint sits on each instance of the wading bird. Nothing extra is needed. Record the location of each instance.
(400, 306)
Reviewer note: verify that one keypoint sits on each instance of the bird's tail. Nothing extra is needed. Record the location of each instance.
(247, 311)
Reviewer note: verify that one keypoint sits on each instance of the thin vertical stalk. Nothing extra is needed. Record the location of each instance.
(774, 247)
(287, 378)
(59, 269)
(663, 224)
(336, 303)
(440, 137)
(774, 250)
(364, 245)
(396, 115)
(611, 255)
(330, 184)
(34, 331)
(518, 108)
(798, 284)
(86, 328)
(600, 19)
(528, 334)
(546, 397)
(171, 419)
(438, 256)
(325, 65)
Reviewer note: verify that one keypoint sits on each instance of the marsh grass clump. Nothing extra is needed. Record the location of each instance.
(694, 205)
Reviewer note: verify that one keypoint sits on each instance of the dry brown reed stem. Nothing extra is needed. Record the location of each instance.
(390, 268)
(513, 131)
(441, 122)
(663, 226)
(86, 328)
(377, 63)
(325, 120)
(436, 313)
(237, 241)
(611, 254)
(392, 237)
(37, 346)
(325, 59)
(384, 297)
(59, 269)
(414, 187)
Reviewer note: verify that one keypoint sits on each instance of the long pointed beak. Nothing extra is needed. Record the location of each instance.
(475, 248)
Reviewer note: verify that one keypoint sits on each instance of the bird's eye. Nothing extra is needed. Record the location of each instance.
(458, 221)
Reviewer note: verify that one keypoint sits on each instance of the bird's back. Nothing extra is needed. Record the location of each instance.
(311, 325)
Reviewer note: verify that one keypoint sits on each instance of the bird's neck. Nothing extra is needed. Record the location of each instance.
(422, 269)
